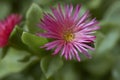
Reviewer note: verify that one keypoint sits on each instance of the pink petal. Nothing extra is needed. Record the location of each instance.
(59, 47)
(77, 10)
(83, 18)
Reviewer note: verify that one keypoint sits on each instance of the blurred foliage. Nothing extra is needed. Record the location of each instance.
(24, 60)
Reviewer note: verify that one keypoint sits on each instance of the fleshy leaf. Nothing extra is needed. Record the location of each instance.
(15, 38)
(109, 41)
(94, 4)
(112, 15)
(50, 65)
(10, 63)
(33, 16)
(34, 42)
(100, 65)
(3, 52)
(68, 73)
(116, 71)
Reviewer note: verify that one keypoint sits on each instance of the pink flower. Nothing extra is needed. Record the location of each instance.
(70, 33)
(6, 27)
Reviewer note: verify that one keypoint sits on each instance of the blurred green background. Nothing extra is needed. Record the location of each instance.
(105, 64)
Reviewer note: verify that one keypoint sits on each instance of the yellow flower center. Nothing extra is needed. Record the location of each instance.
(68, 36)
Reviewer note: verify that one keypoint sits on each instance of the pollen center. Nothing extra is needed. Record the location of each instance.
(68, 36)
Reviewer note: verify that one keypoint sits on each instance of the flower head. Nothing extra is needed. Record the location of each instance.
(6, 27)
(70, 33)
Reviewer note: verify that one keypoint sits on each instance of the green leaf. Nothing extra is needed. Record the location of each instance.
(15, 39)
(34, 42)
(44, 78)
(99, 39)
(33, 16)
(116, 71)
(112, 15)
(45, 3)
(109, 41)
(3, 52)
(69, 73)
(100, 65)
(50, 65)
(42, 2)
(10, 63)
(94, 4)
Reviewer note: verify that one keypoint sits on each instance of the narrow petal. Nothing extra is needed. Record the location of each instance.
(83, 18)
(52, 43)
(63, 50)
(82, 50)
(90, 29)
(60, 10)
(76, 54)
(70, 10)
(48, 35)
(59, 47)
(77, 10)
(58, 15)
(90, 24)
(89, 47)
(66, 52)
(66, 11)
